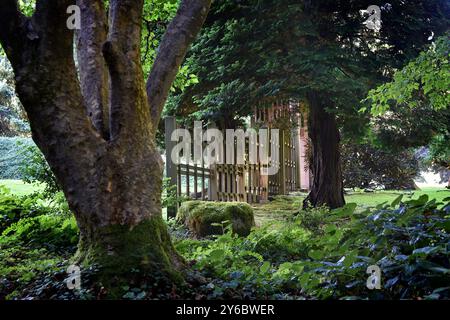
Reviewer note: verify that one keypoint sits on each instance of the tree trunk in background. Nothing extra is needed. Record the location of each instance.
(327, 188)
(105, 158)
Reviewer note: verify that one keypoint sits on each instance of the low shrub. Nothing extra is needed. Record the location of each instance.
(13, 208)
(328, 257)
(54, 231)
(21, 265)
(169, 196)
(35, 170)
(367, 166)
(37, 237)
(316, 254)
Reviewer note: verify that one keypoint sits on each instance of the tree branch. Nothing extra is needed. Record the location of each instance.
(91, 63)
(48, 87)
(122, 54)
(173, 48)
(125, 24)
(12, 30)
(50, 25)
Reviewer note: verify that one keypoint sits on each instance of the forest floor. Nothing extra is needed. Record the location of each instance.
(287, 244)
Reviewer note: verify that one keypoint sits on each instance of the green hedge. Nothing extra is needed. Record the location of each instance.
(11, 156)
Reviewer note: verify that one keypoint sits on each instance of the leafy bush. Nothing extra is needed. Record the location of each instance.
(424, 78)
(440, 150)
(21, 159)
(35, 169)
(367, 166)
(409, 241)
(11, 157)
(313, 218)
(14, 208)
(57, 231)
(242, 268)
(32, 219)
(169, 196)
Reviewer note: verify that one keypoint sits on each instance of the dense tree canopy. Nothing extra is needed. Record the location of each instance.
(254, 52)
(423, 81)
(257, 50)
(414, 108)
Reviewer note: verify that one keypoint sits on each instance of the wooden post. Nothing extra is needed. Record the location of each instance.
(203, 181)
(240, 188)
(171, 168)
(195, 181)
(298, 158)
(264, 179)
(212, 186)
(282, 163)
(305, 179)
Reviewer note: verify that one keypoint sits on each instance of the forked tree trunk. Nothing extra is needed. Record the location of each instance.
(327, 188)
(99, 136)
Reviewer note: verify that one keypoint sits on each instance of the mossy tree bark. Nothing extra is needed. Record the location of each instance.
(96, 123)
(327, 188)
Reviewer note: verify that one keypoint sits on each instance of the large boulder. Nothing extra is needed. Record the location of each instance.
(199, 217)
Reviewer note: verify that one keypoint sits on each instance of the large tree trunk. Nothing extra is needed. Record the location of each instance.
(327, 188)
(98, 136)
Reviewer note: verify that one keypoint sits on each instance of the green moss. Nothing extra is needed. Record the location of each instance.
(125, 255)
(199, 217)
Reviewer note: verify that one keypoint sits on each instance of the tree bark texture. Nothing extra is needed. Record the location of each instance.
(327, 188)
(95, 123)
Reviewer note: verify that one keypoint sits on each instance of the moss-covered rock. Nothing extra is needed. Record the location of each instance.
(199, 217)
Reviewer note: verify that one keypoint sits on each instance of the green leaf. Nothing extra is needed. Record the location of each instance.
(421, 201)
(350, 258)
(265, 267)
(440, 270)
(316, 254)
(425, 250)
(330, 228)
(397, 201)
(346, 210)
(217, 254)
(216, 224)
(285, 266)
(439, 290)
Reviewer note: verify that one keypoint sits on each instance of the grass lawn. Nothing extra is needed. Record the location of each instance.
(19, 187)
(365, 199)
(286, 205)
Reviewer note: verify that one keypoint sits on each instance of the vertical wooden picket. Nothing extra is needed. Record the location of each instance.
(171, 168)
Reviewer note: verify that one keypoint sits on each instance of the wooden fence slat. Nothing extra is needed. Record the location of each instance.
(171, 168)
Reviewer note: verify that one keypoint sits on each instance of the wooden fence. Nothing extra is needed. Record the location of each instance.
(243, 182)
